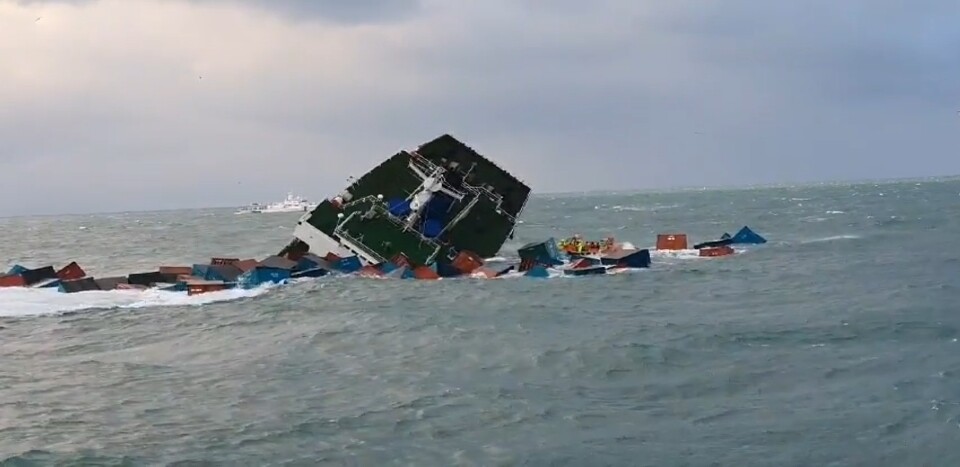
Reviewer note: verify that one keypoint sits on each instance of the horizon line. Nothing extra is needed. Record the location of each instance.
(672, 189)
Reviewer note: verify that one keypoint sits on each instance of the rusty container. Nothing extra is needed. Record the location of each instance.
(723, 250)
(675, 241)
(332, 257)
(176, 270)
(467, 262)
(200, 287)
(246, 265)
(223, 261)
(401, 260)
(425, 272)
(70, 272)
(12, 281)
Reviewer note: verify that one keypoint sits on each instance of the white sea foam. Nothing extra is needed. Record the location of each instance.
(16, 301)
(675, 254)
(634, 208)
(832, 238)
(495, 259)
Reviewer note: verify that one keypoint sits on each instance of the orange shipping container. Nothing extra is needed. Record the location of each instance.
(467, 261)
(199, 287)
(672, 241)
(425, 272)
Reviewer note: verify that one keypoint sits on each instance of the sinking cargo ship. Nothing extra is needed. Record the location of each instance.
(420, 207)
(426, 213)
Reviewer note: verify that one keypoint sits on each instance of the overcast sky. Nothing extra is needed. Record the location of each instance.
(149, 104)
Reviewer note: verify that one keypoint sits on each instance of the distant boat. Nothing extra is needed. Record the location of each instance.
(291, 204)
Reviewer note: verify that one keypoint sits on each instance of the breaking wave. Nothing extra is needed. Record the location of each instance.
(675, 254)
(621, 208)
(832, 238)
(17, 302)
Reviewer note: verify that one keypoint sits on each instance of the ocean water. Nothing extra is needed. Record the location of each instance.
(836, 343)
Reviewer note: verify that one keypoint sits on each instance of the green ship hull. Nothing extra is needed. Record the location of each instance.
(421, 206)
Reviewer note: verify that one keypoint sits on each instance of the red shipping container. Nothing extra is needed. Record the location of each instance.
(70, 272)
(12, 281)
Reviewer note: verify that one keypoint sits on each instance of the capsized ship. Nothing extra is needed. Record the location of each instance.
(420, 207)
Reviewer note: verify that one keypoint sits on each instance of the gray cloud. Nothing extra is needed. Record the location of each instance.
(570, 95)
(348, 11)
(353, 11)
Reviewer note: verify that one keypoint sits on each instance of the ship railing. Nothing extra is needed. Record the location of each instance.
(360, 246)
(342, 233)
(416, 157)
(478, 190)
(432, 243)
(362, 200)
(403, 226)
(385, 213)
(472, 189)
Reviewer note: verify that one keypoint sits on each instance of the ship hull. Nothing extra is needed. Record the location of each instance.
(426, 205)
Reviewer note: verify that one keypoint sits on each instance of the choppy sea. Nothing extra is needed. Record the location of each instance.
(836, 343)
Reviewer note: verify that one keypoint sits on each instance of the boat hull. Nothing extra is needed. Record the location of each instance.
(427, 204)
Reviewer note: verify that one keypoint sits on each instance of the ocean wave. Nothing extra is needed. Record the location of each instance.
(19, 302)
(832, 238)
